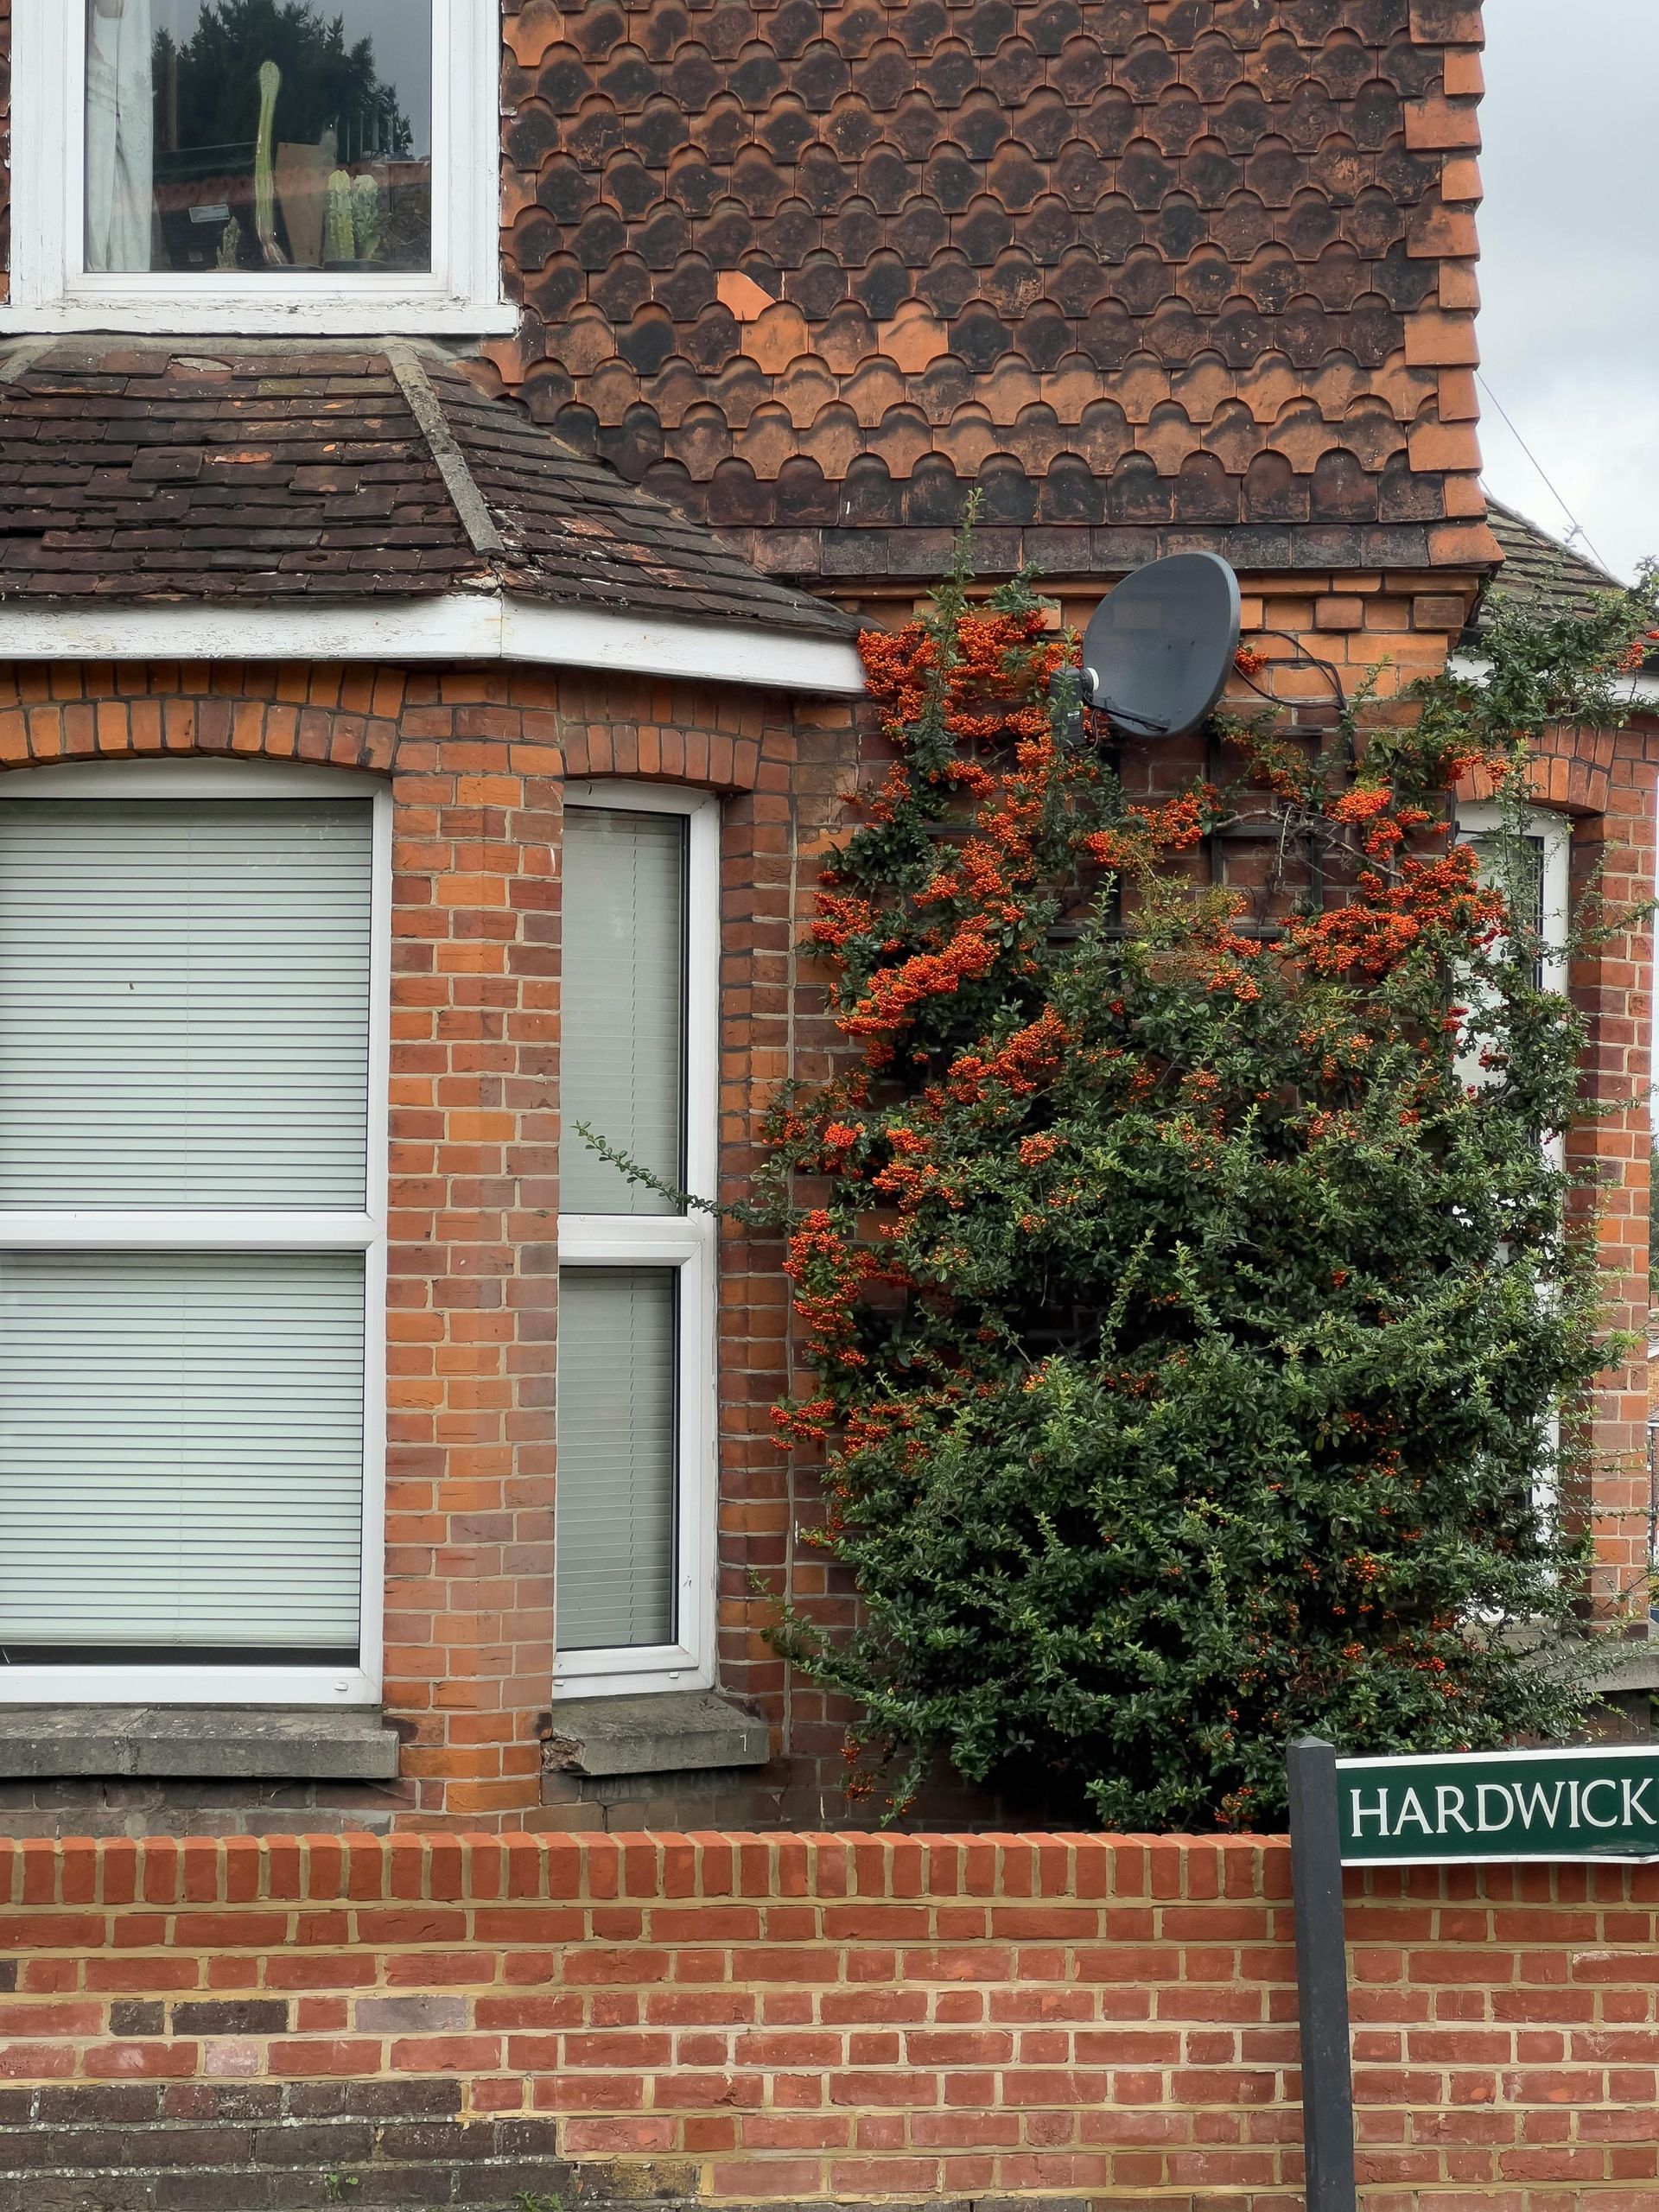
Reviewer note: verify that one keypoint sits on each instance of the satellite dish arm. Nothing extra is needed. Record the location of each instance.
(1140, 721)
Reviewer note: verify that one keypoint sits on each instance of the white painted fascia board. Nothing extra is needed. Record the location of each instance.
(458, 626)
(410, 314)
(1643, 690)
(720, 652)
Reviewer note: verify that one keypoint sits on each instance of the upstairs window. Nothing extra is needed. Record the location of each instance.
(254, 164)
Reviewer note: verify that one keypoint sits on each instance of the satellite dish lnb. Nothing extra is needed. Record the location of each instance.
(1158, 650)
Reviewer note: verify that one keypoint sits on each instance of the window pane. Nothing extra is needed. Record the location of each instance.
(622, 1053)
(181, 1453)
(258, 134)
(615, 1541)
(1518, 867)
(184, 1002)
(1515, 865)
(1524, 860)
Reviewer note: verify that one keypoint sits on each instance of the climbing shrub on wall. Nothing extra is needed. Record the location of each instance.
(1190, 1285)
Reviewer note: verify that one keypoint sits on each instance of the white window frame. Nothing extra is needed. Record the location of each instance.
(52, 290)
(688, 1243)
(1554, 833)
(224, 1683)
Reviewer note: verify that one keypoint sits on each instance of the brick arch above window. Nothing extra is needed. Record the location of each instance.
(405, 722)
(348, 717)
(1571, 771)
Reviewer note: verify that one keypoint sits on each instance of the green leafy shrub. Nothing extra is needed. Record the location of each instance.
(1192, 1302)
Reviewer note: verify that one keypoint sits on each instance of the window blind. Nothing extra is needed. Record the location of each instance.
(622, 1054)
(614, 1545)
(180, 1452)
(184, 1003)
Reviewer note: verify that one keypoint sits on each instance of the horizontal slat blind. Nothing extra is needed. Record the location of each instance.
(615, 1538)
(184, 1003)
(181, 1451)
(622, 1053)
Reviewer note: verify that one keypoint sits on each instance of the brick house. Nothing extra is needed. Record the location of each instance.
(442, 478)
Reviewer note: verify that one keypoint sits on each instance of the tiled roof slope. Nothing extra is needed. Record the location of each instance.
(1134, 266)
(217, 470)
(1539, 571)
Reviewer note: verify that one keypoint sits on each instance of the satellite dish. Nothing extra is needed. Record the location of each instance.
(1158, 650)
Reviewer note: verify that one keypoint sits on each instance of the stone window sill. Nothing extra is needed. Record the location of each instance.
(197, 1743)
(680, 1731)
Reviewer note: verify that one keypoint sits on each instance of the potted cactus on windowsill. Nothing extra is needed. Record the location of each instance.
(355, 229)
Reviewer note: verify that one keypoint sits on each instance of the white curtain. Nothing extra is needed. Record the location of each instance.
(120, 135)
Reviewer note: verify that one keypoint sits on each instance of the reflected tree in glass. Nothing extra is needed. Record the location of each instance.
(222, 133)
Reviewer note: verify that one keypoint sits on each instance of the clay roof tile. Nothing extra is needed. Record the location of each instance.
(145, 472)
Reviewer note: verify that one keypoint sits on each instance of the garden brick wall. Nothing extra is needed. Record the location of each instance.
(792, 2019)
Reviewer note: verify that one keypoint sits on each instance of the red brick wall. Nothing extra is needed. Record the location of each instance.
(1606, 783)
(814, 2017)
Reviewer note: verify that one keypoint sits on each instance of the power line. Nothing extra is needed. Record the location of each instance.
(1578, 530)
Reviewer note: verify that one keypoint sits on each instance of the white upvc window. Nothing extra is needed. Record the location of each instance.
(194, 975)
(1546, 843)
(635, 1525)
(1545, 889)
(176, 168)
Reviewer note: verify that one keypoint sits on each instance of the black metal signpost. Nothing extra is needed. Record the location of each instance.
(1321, 1976)
(1453, 1808)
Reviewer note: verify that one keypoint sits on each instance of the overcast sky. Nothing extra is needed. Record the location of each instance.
(1569, 327)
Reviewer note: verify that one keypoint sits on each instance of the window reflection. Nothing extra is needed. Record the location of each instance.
(246, 136)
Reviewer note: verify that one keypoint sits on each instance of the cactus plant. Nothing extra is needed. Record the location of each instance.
(339, 237)
(368, 218)
(264, 180)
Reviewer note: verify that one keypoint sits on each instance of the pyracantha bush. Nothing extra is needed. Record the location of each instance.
(1192, 1294)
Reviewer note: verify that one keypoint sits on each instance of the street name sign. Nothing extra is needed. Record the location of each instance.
(1446, 1808)
(1474, 1807)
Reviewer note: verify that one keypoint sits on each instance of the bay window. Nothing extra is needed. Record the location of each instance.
(193, 977)
(184, 165)
(634, 1534)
